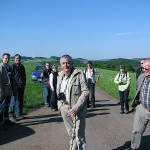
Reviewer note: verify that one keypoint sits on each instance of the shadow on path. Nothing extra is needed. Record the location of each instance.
(145, 145)
(14, 132)
(36, 122)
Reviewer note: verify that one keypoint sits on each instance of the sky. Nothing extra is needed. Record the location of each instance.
(89, 29)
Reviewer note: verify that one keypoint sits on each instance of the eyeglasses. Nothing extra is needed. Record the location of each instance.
(145, 69)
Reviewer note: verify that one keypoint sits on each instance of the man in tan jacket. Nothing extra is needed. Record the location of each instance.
(72, 93)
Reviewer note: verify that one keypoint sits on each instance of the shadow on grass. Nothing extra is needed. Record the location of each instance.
(145, 145)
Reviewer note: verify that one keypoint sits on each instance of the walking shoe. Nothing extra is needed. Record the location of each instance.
(92, 106)
(19, 117)
(12, 119)
(46, 105)
(127, 111)
(122, 112)
(8, 122)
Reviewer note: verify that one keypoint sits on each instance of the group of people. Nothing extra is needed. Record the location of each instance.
(73, 90)
(49, 81)
(70, 90)
(12, 86)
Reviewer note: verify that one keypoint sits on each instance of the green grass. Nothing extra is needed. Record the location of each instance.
(33, 92)
(33, 98)
(106, 83)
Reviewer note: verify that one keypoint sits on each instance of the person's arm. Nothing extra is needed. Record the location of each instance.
(98, 75)
(84, 95)
(116, 80)
(1, 82)
(51, 81)
(128, 78)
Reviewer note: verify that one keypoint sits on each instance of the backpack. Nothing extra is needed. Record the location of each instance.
(125, 75)
(92, 70)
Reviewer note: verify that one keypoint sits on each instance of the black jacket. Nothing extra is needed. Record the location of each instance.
(138, 72)
(18, 77)
(45, 78)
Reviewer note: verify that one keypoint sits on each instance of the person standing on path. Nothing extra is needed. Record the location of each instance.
(5, 88)
(45, 79)
(72, 94)
(90, 77)
(123, 81)
(19, 83)
(142, 101)
(53, 83)
(140, 70)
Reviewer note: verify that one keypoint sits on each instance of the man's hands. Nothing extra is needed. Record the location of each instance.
(72, 112)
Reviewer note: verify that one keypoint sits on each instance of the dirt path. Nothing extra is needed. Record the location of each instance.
(43, 129)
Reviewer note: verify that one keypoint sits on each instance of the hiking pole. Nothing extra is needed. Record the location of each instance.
(73, 134)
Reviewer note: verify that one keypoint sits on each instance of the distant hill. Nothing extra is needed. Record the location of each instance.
(112, 64)
(120, 61)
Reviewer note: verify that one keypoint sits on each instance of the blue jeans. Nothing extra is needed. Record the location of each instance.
(18, 100)
(124, 99)
(47, 95)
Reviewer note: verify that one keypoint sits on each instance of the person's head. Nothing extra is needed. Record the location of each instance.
(146, 68)
(17, 58)
(122, 68)
(89, 64)
(54, 68)
(5, 58)
(47, 65)
(66, 63)
(142, 62)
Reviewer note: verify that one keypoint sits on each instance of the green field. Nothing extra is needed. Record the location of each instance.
(33, 92)
(34, 99)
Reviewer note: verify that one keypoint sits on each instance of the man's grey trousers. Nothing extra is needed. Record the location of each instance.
(79, 140)
(141, 120)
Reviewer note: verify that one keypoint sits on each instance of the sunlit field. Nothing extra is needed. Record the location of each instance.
(34, 95)
(106, 83)
(33, 92)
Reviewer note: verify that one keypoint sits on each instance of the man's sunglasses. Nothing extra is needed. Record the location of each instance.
(145, 69)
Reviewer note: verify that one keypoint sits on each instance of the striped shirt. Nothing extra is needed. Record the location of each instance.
(145, 94)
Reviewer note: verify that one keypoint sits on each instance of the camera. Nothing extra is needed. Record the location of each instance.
(61, 96)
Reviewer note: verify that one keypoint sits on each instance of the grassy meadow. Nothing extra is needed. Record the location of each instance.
(34, 98)
(33, 92)
(106, 83)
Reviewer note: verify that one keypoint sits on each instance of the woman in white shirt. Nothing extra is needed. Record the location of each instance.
(53, 82)
(90, 77)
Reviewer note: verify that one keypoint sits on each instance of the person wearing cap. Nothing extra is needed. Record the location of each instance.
(53, 83)
(90, 78)
(123, 80)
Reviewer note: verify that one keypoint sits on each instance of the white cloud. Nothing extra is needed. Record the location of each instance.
(125, 33)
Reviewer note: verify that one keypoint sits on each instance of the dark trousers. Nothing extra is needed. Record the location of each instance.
(4, 107)
(91, 97)
(53, 101)
(124, 99)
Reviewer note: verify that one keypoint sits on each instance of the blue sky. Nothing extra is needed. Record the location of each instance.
(90, 29)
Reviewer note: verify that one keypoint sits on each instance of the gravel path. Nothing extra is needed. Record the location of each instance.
(106, 129)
